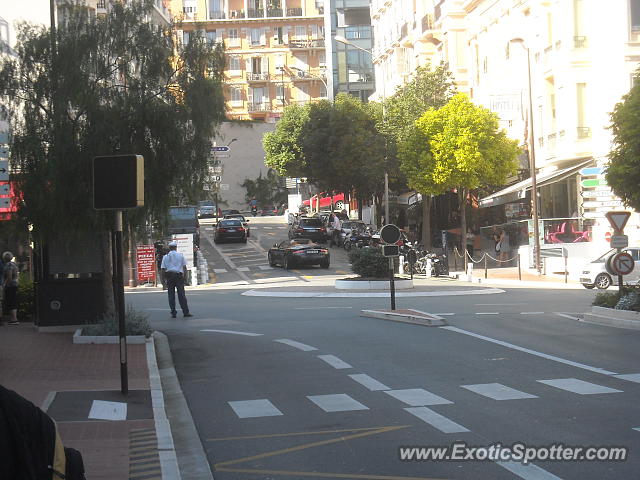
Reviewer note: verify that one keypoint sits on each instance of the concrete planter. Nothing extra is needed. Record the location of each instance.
(352, 284)
(78, 338)
(614, 318)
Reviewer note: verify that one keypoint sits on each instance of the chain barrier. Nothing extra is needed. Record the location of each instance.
(484, 257)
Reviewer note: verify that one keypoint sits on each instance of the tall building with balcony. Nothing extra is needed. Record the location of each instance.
(275, 51)
(159, 14)
(351, 69)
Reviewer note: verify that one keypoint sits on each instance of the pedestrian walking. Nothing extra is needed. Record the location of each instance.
(337, 228)
(10, 288)
(174, 270)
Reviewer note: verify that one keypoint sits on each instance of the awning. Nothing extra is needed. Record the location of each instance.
(409, 198)
(518, 191)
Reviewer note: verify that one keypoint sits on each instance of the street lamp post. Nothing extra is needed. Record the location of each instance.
(532, 163)
(343, 40)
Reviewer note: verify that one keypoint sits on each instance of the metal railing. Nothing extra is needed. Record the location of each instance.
(257, 77)
(258, 107)
(427, 22)
(294, 12)
(255, 13)
(584, 132)
(579, 42)
(274, 12)
(216, 15)
(236, 13)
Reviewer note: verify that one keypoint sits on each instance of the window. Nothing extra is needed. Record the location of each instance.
(211, 36)
(280, 93)
(323, 91)
(233, 34)
(236, 94)
(278, 35)
(634, 15)
(357, 32)
(185, 37)
(301, 31)
(234, 63)
(255, 36)
(358, 59)
(581, 98)
(256, 65)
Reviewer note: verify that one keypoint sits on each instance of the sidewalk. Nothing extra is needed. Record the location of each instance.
(510, 276)
(50, 371)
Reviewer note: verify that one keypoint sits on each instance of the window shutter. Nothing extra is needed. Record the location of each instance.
(264, 64)
(285, 34)
(250, 95)
(263, 36)
(249, 69)
(276, 40)
(265, 96)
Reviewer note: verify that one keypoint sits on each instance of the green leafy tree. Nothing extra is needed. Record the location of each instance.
(117, 84)
(267, 190)
(283, 147)
(429, 88)
(466, 150)
(623, 171)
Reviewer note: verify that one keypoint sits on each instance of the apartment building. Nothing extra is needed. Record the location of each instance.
(582, 57)
(275, 51)
(159, 14)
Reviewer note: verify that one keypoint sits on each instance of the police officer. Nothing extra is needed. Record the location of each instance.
(174, 270)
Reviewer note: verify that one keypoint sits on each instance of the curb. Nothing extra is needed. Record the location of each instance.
(613, 318)
(166, 449)
(400, 284)
(78, 338)
(192, 463)
(461, 277)
(419, 318)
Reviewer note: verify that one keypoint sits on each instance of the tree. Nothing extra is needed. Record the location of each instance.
(117, 84)
(283, 146)
(623, 170)
(467, 150)
(429, 88)
(267, 190)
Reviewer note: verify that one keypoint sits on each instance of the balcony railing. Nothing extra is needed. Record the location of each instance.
(579, 42)
(236, 13)
(306, 43)
(256, 13)
(274, 12)
(584, 132)
(216, 15)
(101, 4)
(294, 12)
(258, 107)
(427, 22)
(257, 77)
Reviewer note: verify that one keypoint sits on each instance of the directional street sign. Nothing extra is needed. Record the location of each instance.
(224, 186)
(5, 202)
(622, 263)
(591, 171)
(222, 155)
(4, 170)
(618, 220)
(619, 241)
(222, 148)
(5, 189)
(216, 178)
(596, 182)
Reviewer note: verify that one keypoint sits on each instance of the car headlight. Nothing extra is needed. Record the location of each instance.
(586, 272)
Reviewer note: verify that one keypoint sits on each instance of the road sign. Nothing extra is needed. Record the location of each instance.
(216, 178)
(390, 233)
(5, 189)
(222, 155)
(5, 202)
(622, 263)
(222, 148)
(390, 250)
(618, 220)
(595, 182)
(591, 171)
(619, 241)
(4, 170)
(224, 186)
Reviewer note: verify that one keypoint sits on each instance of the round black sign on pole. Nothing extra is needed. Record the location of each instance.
(390, 233)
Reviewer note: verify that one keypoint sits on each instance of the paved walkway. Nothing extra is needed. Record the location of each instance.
(37, 364)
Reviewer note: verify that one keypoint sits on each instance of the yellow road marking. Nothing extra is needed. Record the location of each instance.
(341, 272)
(322, 474)
(309, 445)
(307, 276)
(295, 434)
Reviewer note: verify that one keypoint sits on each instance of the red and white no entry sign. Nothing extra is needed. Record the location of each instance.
(622, 263)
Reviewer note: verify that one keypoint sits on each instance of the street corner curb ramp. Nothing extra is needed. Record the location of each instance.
(408, 315)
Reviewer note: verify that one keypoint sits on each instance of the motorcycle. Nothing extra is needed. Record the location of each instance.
(357, 239)
(254, 210)
(437, 264)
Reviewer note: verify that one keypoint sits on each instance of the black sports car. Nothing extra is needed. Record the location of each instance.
(301, 251)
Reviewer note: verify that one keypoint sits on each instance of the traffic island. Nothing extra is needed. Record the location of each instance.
(407, 315)
(613, 318)
(359, 283)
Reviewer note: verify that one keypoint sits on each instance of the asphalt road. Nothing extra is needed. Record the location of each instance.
(305, 388)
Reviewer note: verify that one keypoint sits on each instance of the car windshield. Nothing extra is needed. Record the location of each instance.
(206, 203)
(604, 256)
(310, 222)
(182, 213)
(230, 223)
(238, 217)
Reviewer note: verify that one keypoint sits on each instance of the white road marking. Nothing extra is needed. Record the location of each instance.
(219, 270)
(265, 267)
(295, 294)
(267, 228)
(637, 429)
(444, 314)
(254, 408)
(340, 402)
(498, 304)
(243, 269)
(487, 313)
(317, 308)
(565, 315)
(498, 391)
(369, 382)
(418, 397)
(101, 410)
(233, 332)
(531, 313)
(334, 361)
(529, 351)
(294, 344)
(578, 386)
(632, 377)
(528, 472)
(436, 420)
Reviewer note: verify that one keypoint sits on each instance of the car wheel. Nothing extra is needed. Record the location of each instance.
(602, 281)
(588, 286)
(339, 205)
(271, 262)
(324, 264)
(286, 263)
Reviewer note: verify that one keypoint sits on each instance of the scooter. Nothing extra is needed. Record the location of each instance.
(254, 210)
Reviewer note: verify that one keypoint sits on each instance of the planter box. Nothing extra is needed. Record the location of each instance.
(352, 284)
(613, 317)
(78, 338)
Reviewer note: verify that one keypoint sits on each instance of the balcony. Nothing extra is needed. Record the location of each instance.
(294, 12)
(306, 43)
(101, 4)
(257, 77)
(216, 15)
(255, 13)
(584, 132)
(404, 30)
(579, 42)
(236, 13)
(274, 12)
(258, 107)
(427, 23)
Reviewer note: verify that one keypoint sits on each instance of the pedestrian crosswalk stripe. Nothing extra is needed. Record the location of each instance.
(254, 408)
(292, 343)
(527, 472)
(219, 270)
(632, 377)
(436, 420)
(265, 267)
(498, 391)
(334, 361)
(340, 402)
(368, 382)
(578, 386)
(243, 269)
(417, 397)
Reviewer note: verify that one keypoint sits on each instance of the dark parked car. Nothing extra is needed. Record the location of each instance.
(230, 230)
(308, 227)
(239, 216)
(229, 211)
(303, 251)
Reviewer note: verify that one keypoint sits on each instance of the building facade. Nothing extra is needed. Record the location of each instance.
(275, 51)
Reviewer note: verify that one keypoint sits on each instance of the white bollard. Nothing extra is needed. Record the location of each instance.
(401, 265)
(428, 268)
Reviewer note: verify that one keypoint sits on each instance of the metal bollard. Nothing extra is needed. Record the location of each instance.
(485, 266)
